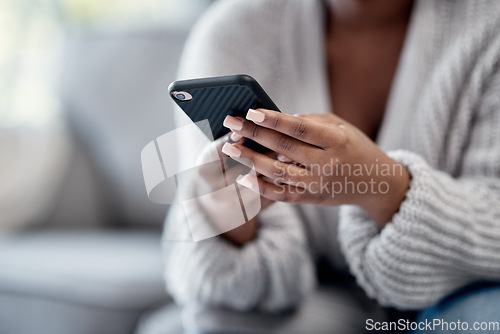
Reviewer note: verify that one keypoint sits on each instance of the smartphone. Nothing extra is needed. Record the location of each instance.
(216, 97)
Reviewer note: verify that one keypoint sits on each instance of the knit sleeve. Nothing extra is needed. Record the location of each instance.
(274, 271)
(446, 233)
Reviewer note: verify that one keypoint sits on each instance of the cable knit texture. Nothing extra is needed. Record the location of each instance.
(447, 231)
(442, 123)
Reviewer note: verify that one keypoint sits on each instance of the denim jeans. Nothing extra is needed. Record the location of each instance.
(477, 307)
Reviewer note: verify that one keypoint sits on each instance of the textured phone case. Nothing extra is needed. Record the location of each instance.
(214, 98)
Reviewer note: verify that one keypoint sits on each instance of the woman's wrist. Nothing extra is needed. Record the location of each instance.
(382, 207)
(244, 233)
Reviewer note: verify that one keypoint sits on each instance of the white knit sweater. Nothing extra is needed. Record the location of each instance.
(442, 122)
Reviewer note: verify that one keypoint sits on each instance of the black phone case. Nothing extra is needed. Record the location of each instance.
(215, 98)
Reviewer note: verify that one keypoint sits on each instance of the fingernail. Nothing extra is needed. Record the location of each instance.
(283, 158)
(255, 116)
(246, 181)
(231, 150)
(235, 136)
(233, 123)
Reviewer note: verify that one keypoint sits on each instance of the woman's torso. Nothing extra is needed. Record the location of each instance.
(361, 65)
(423, 107)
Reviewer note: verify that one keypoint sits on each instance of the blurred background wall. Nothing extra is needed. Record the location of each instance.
(33, 32)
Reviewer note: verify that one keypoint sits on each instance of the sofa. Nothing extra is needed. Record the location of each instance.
(93, 264)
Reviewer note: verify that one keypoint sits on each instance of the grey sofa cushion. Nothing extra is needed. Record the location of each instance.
(87, 277)
(164, 320)
(22, 314)
(32, 162)
(115, 99)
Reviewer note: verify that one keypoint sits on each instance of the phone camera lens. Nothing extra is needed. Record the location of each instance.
(182, 96)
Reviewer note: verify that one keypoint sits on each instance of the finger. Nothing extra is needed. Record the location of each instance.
(277, 171)
(271, 191)
(235, 170)
(265, 202)
(281, 143)
(283, 158)
(212, 156)
(303, 129)
(235, 137)
(322, 118)
(219, 143)
(332, 119)
(267, 179)
(231, 137)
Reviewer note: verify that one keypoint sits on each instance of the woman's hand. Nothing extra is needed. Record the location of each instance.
(322, 160)
(215, 172)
